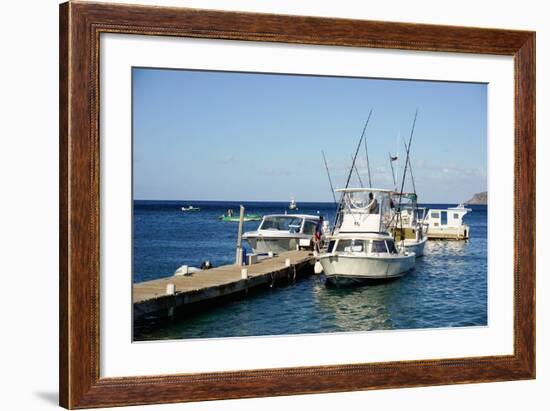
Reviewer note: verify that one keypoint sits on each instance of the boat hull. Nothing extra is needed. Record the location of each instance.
(449, 233)
(353, 270)
(416, 247)
(275, 245)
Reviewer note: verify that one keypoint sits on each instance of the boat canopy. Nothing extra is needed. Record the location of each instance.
(365, 210)
(362, 189)
(407, 196)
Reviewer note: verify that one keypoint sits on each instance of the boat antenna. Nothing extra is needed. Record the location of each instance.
(329, 179)
(358, 175)
(368, 164)
(410, 167)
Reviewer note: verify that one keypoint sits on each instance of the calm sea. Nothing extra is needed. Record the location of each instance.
(447, 288)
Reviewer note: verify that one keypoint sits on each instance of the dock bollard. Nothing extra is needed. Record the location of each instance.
(183, 270)
(287, 262)
(244, 273)
(170, 289)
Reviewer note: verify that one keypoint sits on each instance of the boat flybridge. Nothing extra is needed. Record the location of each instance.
(361, 247)
(408, 225)
(282, 232)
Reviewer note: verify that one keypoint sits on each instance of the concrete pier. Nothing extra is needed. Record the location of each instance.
(160, 297)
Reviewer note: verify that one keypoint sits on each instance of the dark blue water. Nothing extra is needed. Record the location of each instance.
(447, 288)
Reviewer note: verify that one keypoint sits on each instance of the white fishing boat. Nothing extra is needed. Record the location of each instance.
(283, 232)
(408, 226)
(292, 205)
(447, 224)
(361, 247)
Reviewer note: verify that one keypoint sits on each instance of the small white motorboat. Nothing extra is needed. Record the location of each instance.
(283, 232)
(190, 208)
(361, 248)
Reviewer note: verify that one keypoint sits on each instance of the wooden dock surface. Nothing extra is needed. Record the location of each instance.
(210, 285)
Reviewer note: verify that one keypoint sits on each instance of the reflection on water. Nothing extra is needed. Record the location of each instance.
(447, 288)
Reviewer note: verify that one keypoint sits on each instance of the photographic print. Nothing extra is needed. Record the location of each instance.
(277, 186)
(274, 204)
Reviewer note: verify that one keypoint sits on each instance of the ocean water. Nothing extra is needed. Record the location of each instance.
(447, 288)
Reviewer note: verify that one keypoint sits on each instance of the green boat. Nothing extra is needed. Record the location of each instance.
(234, 218)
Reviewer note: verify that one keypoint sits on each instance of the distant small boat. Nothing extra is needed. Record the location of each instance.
(190, 208)
(292, 205)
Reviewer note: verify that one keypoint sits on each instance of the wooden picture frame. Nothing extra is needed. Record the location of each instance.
(80, 27)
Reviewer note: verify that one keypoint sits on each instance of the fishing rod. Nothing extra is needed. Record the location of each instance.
(329, 179)
(359, 176)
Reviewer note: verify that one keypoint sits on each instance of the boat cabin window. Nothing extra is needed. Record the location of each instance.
(309, 227)
(283, 223)
(391, 247)
(455, 216)
(331, 246)
(435, 214)
(379, 246)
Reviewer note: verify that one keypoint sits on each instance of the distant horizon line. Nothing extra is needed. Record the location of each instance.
(276, 201)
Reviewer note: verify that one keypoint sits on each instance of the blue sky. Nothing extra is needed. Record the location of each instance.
(200, 135)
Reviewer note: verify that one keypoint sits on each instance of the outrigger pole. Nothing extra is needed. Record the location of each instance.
(329, 179)
(368, 164)
(358, 147)
(359, 176)
(410, 167)
(352, 167)
(408, 147)
(406, 162)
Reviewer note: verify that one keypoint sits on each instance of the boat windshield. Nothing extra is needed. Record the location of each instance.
(348, 246)
(282, 223)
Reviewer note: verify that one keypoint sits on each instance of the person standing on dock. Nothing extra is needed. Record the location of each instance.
(318, 235)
